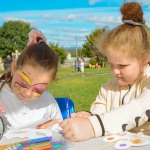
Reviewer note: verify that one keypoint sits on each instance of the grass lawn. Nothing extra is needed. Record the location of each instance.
(82, 88)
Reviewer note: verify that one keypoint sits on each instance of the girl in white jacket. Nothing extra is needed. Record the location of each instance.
(123, 103)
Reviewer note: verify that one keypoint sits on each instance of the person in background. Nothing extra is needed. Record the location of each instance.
(82, 64)
(22, 93)
(123, 103)
(7, 63)
(74, 65)
(78, 64)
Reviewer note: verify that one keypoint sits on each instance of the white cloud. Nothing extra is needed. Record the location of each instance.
(146, 2)
(16, 19)
(73, 30)
(105, 20)
(69, 17)
(47, 16)
(83, 30)
(61, 26)
(92, 2)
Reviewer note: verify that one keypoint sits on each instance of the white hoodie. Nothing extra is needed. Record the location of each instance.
(119, 108)
(19, 113)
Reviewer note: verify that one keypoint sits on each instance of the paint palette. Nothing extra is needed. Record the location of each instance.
(116, 137)
(111, 138)
(138, 141)
(124, 140)
(122, 144)
(123, 135)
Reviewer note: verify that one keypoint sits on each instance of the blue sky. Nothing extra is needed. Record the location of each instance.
(62, 20)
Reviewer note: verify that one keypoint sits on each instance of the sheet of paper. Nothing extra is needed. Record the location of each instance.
(27, 133)
(56, 128)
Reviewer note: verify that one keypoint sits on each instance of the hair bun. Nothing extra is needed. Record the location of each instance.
(132, 11)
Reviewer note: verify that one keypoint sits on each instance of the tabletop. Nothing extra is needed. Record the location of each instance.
(92, 144)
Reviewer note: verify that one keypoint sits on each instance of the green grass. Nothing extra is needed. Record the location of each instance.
(82, 88)
(70, 71)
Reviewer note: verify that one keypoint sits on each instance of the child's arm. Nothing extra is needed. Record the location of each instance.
(99, 106)
(122, 118)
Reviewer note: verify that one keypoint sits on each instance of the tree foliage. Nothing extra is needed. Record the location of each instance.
(13, 36)
(90, 50)
(60, 51)
(88, 47)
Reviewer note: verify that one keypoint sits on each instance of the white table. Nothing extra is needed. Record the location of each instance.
(98, 144)
(92, 144)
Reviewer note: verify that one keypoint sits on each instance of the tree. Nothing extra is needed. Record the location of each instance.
(88, 47)
(90, 50)
(60, 51)
(13, 36)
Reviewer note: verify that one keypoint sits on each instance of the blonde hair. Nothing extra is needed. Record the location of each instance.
(130, 39)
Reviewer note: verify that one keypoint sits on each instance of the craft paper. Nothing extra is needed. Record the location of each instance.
(56, 128)
(27, 133)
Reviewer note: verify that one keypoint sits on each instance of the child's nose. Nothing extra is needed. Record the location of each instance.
(29, 92)
(116, 71)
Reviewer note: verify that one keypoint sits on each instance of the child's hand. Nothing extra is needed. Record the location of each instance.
(33, 35)
(81, 114)
(77, 129)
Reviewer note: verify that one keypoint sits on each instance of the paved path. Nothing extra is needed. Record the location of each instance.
(83, 75)
(80, 74)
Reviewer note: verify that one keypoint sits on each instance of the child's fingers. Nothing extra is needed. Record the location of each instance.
(40, 34)
(68, 134)
(63, 123)
(78, 114)
(83, 114)
(33, 35)
(73, 115)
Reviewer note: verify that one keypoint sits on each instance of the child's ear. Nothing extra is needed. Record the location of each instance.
(146, 59)
(14, 66)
